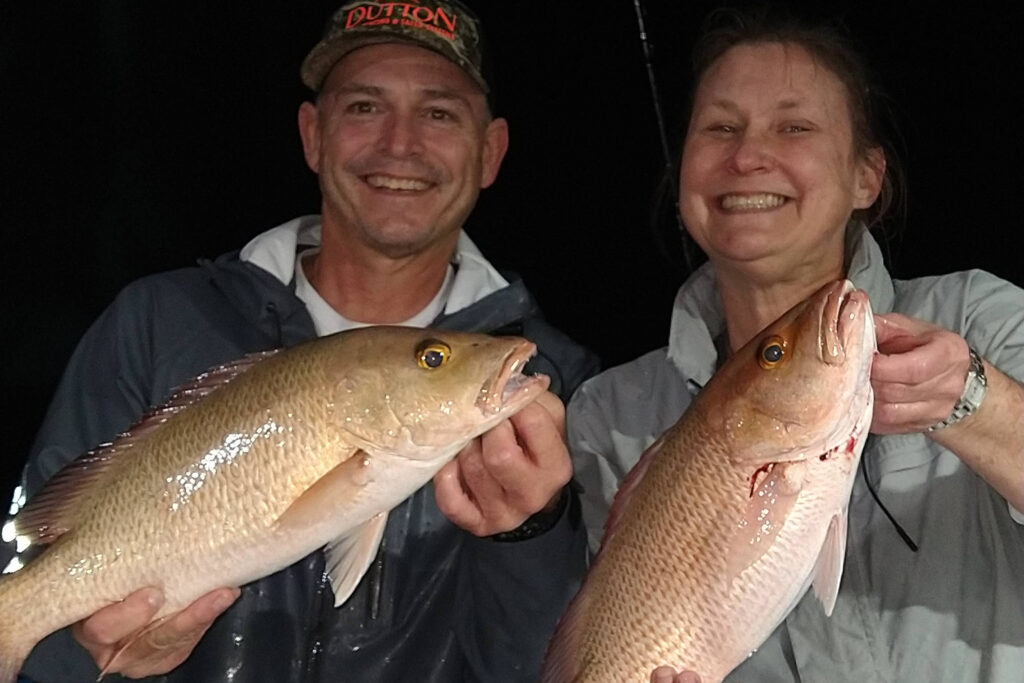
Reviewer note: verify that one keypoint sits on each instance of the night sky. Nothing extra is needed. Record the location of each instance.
(137, 137)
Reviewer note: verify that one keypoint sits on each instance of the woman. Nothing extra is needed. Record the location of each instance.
(782, 165)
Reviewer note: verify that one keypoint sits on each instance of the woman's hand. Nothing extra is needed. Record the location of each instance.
(918, 374)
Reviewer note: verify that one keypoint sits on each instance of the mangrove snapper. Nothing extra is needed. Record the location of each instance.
(719, 529)
(253, 466)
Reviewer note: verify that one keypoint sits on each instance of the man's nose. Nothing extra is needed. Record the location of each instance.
(401, 134)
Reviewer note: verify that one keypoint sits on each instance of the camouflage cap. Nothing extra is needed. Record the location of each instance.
(445, 26)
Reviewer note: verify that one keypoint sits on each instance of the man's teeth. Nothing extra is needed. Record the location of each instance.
(392, 183)
(734, 202)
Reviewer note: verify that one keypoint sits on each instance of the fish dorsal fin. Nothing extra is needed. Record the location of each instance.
(628, 487)
(206, 383)
(350, 555)
(562, 661)
(828, 571)
(53, 511)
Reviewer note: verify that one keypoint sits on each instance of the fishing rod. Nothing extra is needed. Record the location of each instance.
(670, 173)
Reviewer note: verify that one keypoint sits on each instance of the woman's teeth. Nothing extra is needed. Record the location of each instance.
(751, 202)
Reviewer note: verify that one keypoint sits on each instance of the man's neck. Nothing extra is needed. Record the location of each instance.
(373, 288)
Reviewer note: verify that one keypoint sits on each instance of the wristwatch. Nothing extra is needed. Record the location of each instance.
(974, 392)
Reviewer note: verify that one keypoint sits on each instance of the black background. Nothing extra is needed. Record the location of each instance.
(138, 136)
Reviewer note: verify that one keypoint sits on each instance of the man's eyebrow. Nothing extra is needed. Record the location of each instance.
(358, 88)
(443, 94)
(447, 95)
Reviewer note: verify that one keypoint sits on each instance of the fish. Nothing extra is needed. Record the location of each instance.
(252, 466)
(735, 510)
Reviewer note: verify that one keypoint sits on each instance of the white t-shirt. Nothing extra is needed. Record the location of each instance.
(470, 276)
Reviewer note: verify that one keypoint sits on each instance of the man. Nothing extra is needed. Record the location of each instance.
(474, 569)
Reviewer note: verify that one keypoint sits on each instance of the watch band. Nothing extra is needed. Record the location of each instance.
(975, 387)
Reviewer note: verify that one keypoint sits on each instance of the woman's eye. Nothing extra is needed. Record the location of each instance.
(726, 128)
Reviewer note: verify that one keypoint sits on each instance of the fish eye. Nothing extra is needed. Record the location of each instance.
(771, 353)
(432, 354)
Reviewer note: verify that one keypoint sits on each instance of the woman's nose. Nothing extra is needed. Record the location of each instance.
(752, 152)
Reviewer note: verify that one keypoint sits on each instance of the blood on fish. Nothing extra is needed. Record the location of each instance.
(754, 480)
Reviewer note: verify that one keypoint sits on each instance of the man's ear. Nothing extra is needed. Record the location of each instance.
(495, 146)
(309, 131)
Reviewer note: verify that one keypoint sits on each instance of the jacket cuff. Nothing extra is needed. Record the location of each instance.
(539, 523)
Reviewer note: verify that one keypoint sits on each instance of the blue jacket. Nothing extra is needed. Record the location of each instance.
(438, 604)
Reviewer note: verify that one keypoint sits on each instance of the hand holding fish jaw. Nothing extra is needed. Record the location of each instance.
(918, 374)
(514, 470)
(108, 634)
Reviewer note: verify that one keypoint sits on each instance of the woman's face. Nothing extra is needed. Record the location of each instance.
(769, 177)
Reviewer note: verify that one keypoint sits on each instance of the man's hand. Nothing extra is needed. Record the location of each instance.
(918, 374)
(514, 470)
(106, 633)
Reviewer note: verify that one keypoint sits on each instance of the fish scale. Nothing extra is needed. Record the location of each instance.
(724, 522)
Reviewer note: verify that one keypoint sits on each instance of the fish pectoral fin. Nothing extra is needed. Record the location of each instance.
(328, 495)
(774, 492)
(349, 556)
(828, 570)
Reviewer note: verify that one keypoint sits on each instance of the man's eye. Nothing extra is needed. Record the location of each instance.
(439, 114)
(362, 108)
(795, 128)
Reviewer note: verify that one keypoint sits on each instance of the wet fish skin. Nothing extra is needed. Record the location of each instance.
(725, 521)
(255, 465)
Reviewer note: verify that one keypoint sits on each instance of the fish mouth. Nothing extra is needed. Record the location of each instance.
(848, 335)
(509, 389)
(845, 314)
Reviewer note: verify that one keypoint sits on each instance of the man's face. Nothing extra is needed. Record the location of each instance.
(403, 142)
